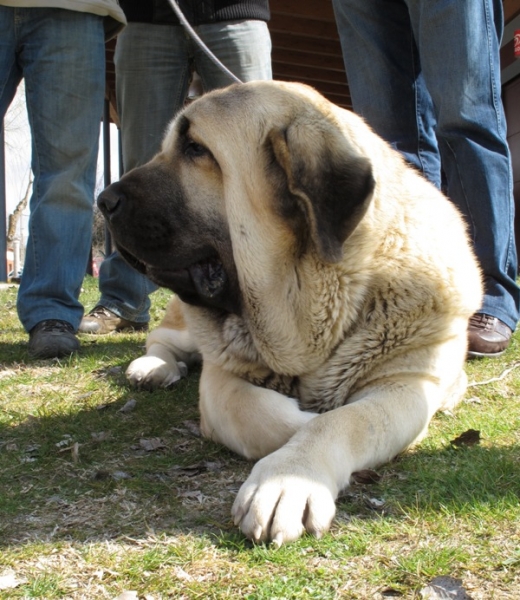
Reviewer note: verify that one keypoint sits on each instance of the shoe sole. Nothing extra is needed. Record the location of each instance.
(118, 330)
(472, 354)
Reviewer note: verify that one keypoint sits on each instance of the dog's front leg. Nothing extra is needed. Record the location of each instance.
(170, 350)
(294, 489)
(249, 420)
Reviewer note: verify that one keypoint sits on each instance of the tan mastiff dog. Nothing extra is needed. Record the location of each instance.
(326, 285)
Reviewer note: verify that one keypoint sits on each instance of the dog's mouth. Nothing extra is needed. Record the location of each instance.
(206, 276)
(202, 283)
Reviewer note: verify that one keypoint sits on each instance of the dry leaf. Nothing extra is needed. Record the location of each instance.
(192, 427)
(8, 581)
(114, 371)
(195, 469)
(197, 494)
(366, 476)
(375, 503)
(444, 588)
(473, 400)
(152, 444)
(390, 592)
(105, 372)
(100, 436)
(181, 574)
(128, 407)
(470, 437)
(65, 442)
(118, 475)
(75, 452)
(127, 596)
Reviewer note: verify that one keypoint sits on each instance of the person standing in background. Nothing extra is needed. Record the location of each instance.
(425, 74)
(58, 47)
(154, 61)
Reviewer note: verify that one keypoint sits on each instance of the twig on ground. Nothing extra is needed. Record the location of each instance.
(499, 378)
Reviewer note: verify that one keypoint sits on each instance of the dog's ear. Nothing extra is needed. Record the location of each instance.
(332, 186)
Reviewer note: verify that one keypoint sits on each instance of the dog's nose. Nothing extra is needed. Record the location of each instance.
(111, 200)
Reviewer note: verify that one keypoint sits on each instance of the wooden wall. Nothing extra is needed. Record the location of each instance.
(306, 47)
(511, 9)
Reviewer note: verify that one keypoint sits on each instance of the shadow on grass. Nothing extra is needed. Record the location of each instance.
(91, 470)
(109, 460)
(16, 353)
(79, 466)
(454, 479)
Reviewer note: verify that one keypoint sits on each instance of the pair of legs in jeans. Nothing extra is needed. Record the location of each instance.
(425, 74)
(61, 56)
(153, 72)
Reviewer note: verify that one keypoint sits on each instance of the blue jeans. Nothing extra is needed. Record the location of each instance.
(61, 55)
(153, 71)
(425, 74)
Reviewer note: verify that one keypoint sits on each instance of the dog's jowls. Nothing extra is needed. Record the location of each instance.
(326, 286)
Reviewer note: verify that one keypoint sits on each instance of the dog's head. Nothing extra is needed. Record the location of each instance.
(247, 176)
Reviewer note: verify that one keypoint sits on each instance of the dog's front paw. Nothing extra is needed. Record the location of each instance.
(282, 498)
(152, 372)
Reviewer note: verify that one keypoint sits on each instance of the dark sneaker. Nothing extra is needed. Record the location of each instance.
(101, 320)
(52, 339)
(487, 336)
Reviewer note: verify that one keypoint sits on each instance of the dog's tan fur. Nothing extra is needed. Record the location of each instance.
(350, 332)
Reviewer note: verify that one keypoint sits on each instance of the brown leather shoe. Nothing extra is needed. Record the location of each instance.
(100, 320)
(487, 336)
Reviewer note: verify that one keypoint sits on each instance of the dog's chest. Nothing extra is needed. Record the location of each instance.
(388, 325)
(236, 351)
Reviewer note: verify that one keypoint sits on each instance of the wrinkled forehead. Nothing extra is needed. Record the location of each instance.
(245, 110)
(225, 107)
(223, 114)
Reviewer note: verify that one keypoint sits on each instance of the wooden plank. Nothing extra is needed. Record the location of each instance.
(299, 72)
(514, 146)
(314, 9)
(516, 194)
(511, 9)
(304, 76)
(507, 54)
(511, 101)
(340, 99)
(303, 26)
(324, 87)
(332, 87)
(288, 41)
(334, 63)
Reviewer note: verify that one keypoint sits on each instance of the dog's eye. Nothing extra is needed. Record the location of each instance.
(193, 149)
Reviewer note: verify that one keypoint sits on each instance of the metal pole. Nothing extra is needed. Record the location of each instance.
(120, 152)
(106, 166)
(3, 208)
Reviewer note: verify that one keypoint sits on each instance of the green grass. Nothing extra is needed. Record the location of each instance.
(86, 511)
